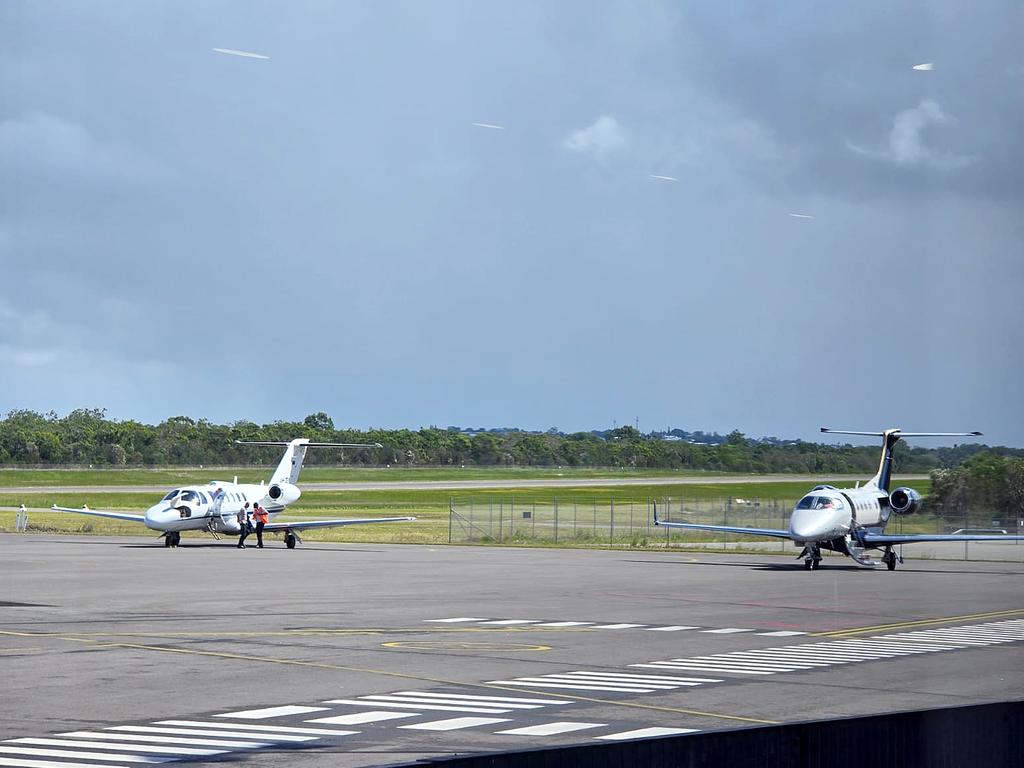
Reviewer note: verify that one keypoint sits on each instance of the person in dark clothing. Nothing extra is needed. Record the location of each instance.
(243, 524)
(261, 517)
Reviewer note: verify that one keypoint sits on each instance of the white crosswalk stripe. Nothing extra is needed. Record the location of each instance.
(152, 749)
(551, 729)
(259, 714)
(616, 682)
(260, 729)
(190, 741)
(358, 718)
(607, 625)
(120, 758)
(454, 724)
(278, 737)
(810, 656)
(496, 700)
(19, 762)
(379, 702)
(645, 733)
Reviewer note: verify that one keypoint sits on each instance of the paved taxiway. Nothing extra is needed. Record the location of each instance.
(357, 655)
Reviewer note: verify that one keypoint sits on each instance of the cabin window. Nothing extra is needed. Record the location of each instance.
(202, 496)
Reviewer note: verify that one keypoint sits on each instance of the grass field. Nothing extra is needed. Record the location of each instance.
(169, 477)
(431, 507)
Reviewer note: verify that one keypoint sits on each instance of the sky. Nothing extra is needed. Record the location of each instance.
(189, 232)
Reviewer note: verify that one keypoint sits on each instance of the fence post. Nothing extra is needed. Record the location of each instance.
(512, 519)
(556, 521)
(611, 528)
(501, 520)
(451, 516)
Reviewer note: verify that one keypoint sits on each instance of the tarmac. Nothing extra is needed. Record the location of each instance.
(117, 651)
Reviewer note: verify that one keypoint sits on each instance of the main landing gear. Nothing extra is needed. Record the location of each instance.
(172, 539)
(290, 539)
(889, 558)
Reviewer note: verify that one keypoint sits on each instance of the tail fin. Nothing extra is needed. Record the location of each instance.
(295, 452)
(889, 439)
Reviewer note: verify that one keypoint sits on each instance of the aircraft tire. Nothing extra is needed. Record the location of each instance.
(808, 565)
(815, 564)
(167, 540)
(289, 541)
(890, 561)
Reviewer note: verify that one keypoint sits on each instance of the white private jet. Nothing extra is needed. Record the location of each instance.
(214, 507)
(852, 520)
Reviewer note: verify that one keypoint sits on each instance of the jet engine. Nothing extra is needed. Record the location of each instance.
(284, 493)
(905, 501)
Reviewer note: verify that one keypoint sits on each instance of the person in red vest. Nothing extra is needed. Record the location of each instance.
(262, 518)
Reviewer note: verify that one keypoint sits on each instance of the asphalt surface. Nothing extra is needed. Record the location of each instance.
(464, 485)
(112, 637)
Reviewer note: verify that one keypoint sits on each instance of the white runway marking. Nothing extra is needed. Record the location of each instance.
(618, 626)
(363, 717)
(726, 631)
(259, 714)
(281, 737)
(673, 628)
(550, 729)
(262, 728)
(566, 624)
(18, 762)
(510, 622)
(796, 658)
(38, 752)
(189, 751)
(168, 740)
(378, 702)
(454, 621)
(454, 724)
(245, 54)
(617, 682)
(781, 633)
(495, 700)
(645, 733)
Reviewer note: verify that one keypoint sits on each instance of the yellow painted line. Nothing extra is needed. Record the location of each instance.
(920, 623)
(387, 673)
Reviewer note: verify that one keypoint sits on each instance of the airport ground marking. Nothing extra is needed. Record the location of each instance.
(917, 623)
(387, 673)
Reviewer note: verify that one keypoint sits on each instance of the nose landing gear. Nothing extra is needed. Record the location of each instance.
(812, 557)
(172, 539)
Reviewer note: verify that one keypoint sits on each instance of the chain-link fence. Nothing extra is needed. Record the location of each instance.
(630, 523)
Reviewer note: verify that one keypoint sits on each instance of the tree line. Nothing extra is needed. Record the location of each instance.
(984, 482)
(87, 437)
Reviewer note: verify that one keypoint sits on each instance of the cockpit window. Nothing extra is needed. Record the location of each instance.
(189, 496)
(819, 502)
(170, 495)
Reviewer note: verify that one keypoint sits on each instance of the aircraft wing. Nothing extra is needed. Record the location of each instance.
(876, 539)
(773, 532)
(84, 510)
(303, 525)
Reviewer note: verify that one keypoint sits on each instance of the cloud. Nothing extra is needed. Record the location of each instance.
(31, 358)
(906, 146)
(41, 142)
(598, 140)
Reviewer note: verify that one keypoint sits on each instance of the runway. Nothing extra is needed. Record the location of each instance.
(117, 651)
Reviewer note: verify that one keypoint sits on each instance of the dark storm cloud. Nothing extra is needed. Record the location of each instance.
(327, 229)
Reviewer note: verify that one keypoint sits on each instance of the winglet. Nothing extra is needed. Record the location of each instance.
(656, 513)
